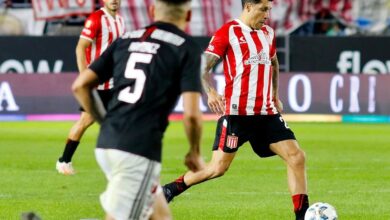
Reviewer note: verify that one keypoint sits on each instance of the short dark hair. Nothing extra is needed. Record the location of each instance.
(175, 1)
(251, 1)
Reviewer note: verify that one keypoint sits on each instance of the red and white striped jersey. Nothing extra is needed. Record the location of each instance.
(101, 29)
(246, 55)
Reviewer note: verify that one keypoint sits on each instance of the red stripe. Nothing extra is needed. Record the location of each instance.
(133, 13)
(222, 138)
(110, 38)
(229, 81)
(245, 74)
(260, 79)
(148, 32)
(98, 42)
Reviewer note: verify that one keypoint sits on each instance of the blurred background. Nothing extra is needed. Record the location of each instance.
(333, 55)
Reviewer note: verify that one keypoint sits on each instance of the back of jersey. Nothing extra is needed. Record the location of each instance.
(151, 68)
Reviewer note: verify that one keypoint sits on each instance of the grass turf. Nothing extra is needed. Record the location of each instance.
(348, 167)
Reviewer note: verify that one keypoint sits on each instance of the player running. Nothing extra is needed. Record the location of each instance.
(101, 28)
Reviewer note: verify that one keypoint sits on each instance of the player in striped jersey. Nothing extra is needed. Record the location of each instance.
(250, 107)
(101, 28)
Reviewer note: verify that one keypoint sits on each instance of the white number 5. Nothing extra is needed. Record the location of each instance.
(131, 72)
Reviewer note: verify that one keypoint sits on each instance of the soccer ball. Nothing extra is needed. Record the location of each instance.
(321, 211)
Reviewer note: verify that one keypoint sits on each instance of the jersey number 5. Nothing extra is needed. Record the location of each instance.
(131, 72)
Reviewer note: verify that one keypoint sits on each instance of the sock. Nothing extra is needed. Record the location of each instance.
(178, 186)
(301, 204)
(181, 185)
(69, 150)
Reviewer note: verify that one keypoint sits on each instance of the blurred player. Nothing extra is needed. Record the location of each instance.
(151, 67)
(250, 108)
(101, 28)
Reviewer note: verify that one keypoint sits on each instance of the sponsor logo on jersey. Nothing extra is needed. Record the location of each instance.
(261, 58)
(242, 40)
(210, 48)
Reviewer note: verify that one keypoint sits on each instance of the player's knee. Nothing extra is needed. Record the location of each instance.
(85, 122)
(297, 158)
(219, 170)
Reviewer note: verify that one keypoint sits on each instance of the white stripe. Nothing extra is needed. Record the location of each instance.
(253, 75)
(267, 68)
(93, 51)
(213, 54)
(86, 38)
(105, 34)
(235, 99)
(120, 25)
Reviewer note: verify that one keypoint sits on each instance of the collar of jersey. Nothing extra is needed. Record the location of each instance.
(244, 26)
(106, 13)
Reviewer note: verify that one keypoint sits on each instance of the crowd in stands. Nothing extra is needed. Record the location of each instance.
(289, 17)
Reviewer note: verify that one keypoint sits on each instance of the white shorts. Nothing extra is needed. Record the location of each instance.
(133, 182)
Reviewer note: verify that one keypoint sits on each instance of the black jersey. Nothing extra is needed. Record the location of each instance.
(151, 67)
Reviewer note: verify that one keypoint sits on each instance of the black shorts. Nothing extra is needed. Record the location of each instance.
(105, 96)
(260, 130)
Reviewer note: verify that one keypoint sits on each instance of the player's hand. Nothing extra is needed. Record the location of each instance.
(216, 102)
(194, 162)
(279, 105)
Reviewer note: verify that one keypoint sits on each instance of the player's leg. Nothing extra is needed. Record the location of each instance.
(160, 207)
(64, 164)
(282, 142)
(294, 157)
(230, 135)
(132, 184)
(217, 167)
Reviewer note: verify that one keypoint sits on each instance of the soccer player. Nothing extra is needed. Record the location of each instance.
(101, 29)
(250, 108)
(151, 67)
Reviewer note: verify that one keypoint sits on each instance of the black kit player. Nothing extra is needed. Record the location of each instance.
(151, 67)
(250, 107)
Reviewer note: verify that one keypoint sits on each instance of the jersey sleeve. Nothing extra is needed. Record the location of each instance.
(91, 27)
(219, 42)
(190, 76)
(104, 65)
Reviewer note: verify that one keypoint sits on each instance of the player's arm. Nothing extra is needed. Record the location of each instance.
(83, 89)
(215, 101)
(275, 83)
(81, 59)
(192, 118)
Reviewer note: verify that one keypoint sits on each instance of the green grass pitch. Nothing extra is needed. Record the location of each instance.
(348, 167)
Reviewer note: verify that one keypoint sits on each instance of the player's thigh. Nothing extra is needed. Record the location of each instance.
(132, 185)
(160, 207)
(231, 133)
(270, 129)
(287, 149)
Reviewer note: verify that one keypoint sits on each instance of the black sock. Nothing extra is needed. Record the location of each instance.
(301, 204)
(178, 186)
(69, 150)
